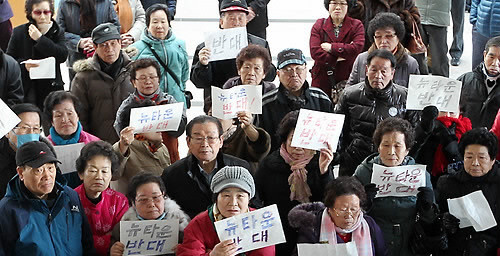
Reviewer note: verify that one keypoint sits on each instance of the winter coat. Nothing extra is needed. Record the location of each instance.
(347, 45)
(103, 216)
(496, 130)
(271, 182)
(216, 73)
(405, 66)
(172, 51)
(138, 158)
(22, 47)
(484, 15)
(276, 104)
(235, 81)
(200, 238)
(163, 98)
(36, 229)
(100, 96)
(260, 21)
(457, 184)
(432, 12)
(364, 108)
(11, 87)
(138, 18)
(480, 107)
(184, 175)
(306, 218)
(68, 18)
(394, 215)
(172, 210)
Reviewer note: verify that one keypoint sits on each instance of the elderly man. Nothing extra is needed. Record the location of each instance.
(102, 83)
(41, 215)
(188, 180)
(365, 105)
(233, 14)
(480, 94)
(293, 93)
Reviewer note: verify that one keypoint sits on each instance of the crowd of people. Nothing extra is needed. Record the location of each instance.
(123, 55)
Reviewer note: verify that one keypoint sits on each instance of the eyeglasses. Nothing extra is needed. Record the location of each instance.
(154, 199)
(339, 4)
(346, 212)
(144, 78)
(290, 71)
(200, 140)
(38, 12)
(28, 129)
(388, 36)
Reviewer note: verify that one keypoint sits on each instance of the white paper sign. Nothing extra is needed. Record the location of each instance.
(227, 102)
(226, 43)
(442, 92)
(473, 210)
(345, 249)
(149, 237)
(252, 230)
(156, 118)
(315, 128)
(68, 154)
(8, 119)
(46, 68)
(398, 181)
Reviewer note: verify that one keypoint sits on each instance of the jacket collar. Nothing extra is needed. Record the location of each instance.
(283, 99)
(378, 93)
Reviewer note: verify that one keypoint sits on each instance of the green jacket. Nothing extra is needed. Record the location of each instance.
(173, 52)
(434, 12)
(389, 212)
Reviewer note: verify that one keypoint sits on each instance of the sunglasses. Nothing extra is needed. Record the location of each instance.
(45, 12)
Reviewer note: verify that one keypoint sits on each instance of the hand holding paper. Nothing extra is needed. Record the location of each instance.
(472, 210)
(42, 69)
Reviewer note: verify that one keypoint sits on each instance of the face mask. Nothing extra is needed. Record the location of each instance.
(23, 138)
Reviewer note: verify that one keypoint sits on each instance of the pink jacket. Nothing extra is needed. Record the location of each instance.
(496, 130)
(103, 216)
(85, 137)
(200, 238)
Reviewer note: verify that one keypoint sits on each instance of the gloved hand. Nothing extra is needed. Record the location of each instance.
(428, 116)
(450, 223)
(425, 198)
(446, 134)
(371, 191)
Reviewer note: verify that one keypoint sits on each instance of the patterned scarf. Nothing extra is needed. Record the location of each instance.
(299, 189)
(360, 233)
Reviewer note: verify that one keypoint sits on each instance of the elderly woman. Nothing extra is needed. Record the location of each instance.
(40, 38)
(335, 42)
(144, 75)
(480, 172)
(393, 139)
(340, 219)
(159, 43)
(292, 175)
(149, 201)
(253, 63)
(233, 187)
(95, 166)
(61, 108)
(385, 31)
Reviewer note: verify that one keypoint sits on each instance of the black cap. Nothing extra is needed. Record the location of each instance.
(104, 32)
(233, 5)
(290, 56)
(35, 154)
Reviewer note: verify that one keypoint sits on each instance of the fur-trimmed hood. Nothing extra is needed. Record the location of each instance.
(172, 209)
(92, 64)
(304, 215)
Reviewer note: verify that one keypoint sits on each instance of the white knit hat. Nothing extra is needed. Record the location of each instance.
(233, 176)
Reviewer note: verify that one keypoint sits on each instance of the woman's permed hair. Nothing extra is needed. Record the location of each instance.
(344, 185)
(479, 136)
(394, 124)
(97, 148)
(141, 179)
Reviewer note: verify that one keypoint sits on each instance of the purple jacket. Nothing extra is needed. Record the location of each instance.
(307, 219)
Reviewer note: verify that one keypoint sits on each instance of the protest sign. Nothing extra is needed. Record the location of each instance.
(68, 154)
(46, 68)
(472, 210)
(149, 237)
(8, 119)
(399, 180)
(227, 102)
(157, 118)
(315, 128)
(442, 92)
(345, 249)
(252, 230)
(226, 43)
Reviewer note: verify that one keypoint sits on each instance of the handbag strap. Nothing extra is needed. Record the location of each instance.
(164, 65)
(416, 31)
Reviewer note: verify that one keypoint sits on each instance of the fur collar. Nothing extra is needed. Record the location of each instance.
(92, 64)
(304, 215)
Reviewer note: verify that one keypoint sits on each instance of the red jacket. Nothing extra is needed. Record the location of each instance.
(496, 130)
(348, 45)
(103, 216)
(200, 238)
